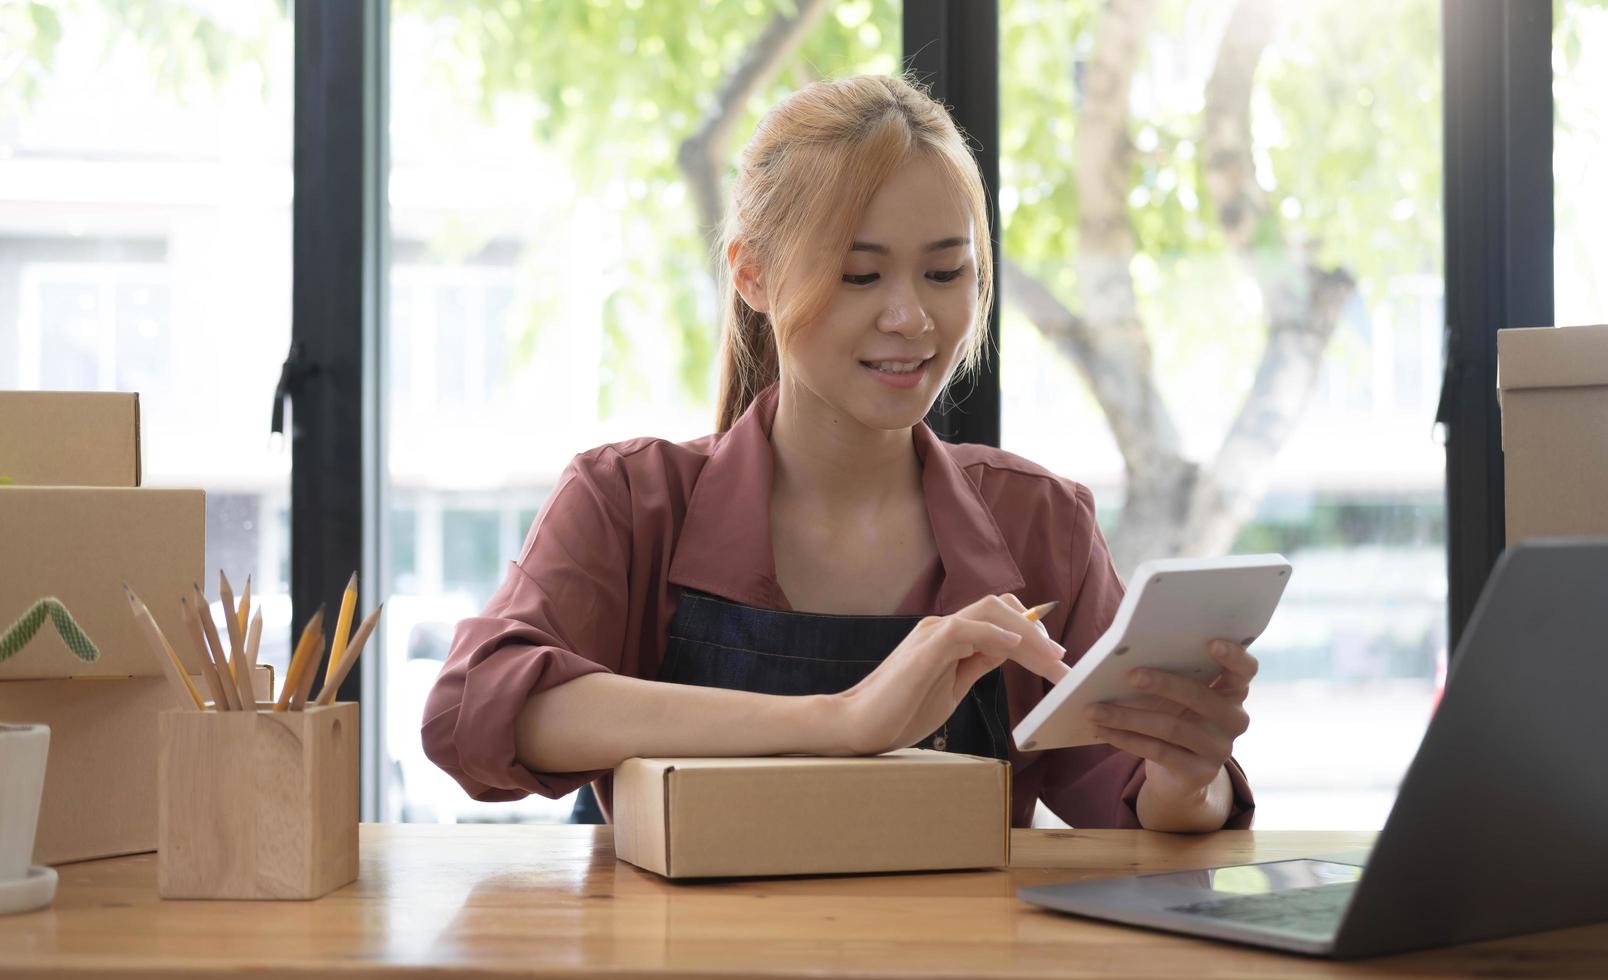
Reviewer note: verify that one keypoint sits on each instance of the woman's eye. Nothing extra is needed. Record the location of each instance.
(865, 280)
(949, 276)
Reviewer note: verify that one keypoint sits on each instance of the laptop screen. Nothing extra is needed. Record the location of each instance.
(1264, 879)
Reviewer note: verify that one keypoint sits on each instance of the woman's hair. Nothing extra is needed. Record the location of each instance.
(803, 182)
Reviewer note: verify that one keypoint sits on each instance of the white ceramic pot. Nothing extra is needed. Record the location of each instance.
(22, 783)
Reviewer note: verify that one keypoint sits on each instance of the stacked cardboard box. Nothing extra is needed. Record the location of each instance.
(1553, 386)
(76, 524)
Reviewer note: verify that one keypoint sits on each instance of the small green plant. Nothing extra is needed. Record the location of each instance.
(25, 628)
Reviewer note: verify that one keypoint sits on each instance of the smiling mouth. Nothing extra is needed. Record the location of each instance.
(897, 367)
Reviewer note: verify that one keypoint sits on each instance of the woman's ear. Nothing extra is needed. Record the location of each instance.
(745, 276)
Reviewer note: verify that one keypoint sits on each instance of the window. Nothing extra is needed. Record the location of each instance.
(1579, 153)
(549, 284)
(1171, 186)
(145, 181)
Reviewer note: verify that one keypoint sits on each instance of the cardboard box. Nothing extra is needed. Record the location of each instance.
(910, 810)
(1552, 383)
(80, 544)
(100, 778)
(257, 804)
(70, 438)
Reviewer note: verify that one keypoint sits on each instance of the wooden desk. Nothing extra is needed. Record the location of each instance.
(478, 900)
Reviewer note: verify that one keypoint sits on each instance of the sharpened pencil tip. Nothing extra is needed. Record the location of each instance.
(351, 583)
(1038, 612)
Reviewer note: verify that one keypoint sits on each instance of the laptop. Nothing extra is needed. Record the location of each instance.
(1501, 823)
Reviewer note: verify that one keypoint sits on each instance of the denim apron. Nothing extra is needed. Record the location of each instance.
(714, 642)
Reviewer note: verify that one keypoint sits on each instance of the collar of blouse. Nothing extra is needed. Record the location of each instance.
(725, 542)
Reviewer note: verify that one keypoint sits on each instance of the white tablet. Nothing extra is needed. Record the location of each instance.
(1172, 610)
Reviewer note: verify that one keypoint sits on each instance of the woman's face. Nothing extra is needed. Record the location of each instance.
(902, 311)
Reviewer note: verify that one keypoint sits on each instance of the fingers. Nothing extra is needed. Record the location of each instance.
(960, 636)
(1239, 667)
(1031, 649)
(1006, 611)
(1188, 732)
(971, 670)
(1017, 604)
(1188, 767)
(978, 635)
(1223, 708)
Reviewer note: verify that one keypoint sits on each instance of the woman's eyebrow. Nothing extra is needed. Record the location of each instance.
(937, 246)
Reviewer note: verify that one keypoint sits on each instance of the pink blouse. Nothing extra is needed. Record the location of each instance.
(631, 523)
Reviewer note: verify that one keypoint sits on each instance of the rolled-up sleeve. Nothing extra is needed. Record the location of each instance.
(559, 614)
(1098, 785)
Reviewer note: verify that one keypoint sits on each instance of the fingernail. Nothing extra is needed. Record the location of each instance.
(1141, 679)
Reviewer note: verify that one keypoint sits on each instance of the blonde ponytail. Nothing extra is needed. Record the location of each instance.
(748, 362)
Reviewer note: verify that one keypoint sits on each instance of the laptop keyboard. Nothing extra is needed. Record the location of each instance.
(1304, 910)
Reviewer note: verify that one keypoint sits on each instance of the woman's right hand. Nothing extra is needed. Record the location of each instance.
(917, 687)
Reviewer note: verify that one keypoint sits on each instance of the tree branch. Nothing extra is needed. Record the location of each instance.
(1114, 348)
(1106, 367)
(1302, 300)
(702, 157)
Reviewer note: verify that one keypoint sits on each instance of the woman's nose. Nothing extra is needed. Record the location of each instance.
(904, 315)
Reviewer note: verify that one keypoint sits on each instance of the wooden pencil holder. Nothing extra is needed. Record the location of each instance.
(257, 805)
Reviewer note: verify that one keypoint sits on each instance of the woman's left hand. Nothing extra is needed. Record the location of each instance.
(1182, 727)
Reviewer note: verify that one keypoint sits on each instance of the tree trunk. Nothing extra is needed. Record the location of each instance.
(1174, 505)
(703, 156)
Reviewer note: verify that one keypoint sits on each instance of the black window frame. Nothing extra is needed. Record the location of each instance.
(337, 299)
(952, 46)
(1497, 161)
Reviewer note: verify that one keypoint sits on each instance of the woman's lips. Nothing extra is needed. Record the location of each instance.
(906, 379)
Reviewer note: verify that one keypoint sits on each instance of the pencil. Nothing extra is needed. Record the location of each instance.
(332, 685)
(298, 697)
(245, 605)
(237, 644)
(254, 637)
(343, 627)
(231, 620)
(298, 660)
(1039, 612)
(208, 671)
(209, 629)
(159, 645)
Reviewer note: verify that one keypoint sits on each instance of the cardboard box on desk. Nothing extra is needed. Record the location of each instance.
(910, 810)
(1553, 387)
(70, 438)
(100, 777)
(80, 544)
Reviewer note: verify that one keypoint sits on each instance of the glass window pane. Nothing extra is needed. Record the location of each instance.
(549, 289)
(1579, 153)
(1222, 312)
(145, 184)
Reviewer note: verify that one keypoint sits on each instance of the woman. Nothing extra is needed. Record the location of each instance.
(823, 575)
